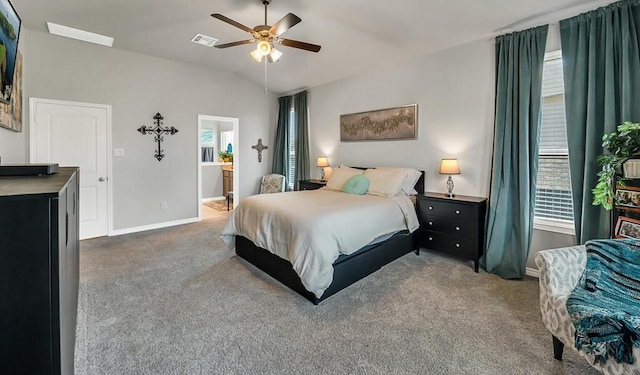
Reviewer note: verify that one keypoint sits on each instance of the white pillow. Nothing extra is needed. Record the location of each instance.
(384, 182)
(411, 177)
(339, 176)
(355, 170)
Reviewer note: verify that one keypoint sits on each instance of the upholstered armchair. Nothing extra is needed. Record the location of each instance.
(272, 183)
(560, 271)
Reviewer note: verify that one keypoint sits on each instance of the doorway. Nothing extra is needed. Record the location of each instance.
(214, 133)
(77, 134)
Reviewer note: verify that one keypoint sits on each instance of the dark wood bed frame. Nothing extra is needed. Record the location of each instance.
(346, 269)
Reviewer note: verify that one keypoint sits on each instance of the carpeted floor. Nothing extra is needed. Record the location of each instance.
(175, 301)
(220, 205)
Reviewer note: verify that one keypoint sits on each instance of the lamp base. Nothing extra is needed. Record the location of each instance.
(450, 187)
(322, 174)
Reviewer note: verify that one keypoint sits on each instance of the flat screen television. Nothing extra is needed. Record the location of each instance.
(9, 33)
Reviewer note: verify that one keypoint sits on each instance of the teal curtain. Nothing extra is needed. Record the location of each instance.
(601, 66)
(281, 148)
(519, 62)
(302, 171)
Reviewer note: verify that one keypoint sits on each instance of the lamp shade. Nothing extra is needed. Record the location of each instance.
(449, 166)
(322, 161)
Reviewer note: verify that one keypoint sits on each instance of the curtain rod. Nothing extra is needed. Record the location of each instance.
(551, 16)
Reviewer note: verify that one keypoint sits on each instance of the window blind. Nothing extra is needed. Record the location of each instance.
(291, 176)
(553, 190)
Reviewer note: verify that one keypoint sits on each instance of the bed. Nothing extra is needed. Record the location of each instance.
(294, 225)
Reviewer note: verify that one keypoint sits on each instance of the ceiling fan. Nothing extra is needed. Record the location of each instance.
(266, 36)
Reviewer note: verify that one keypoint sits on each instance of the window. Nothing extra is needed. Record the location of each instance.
(291, 173)
(226, 139)
(553, 207)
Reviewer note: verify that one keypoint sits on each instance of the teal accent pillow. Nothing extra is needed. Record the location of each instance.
(358, 184)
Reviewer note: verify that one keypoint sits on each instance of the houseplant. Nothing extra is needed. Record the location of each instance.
(225, 156)
(622, 144)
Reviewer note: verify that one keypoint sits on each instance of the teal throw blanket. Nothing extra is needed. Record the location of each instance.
(605, 305)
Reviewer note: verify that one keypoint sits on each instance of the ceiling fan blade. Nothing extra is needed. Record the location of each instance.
(233, 44)
(284, 24)
(234, 23)
(300, 45)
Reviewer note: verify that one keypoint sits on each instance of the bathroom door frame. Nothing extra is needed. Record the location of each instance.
(236, 158)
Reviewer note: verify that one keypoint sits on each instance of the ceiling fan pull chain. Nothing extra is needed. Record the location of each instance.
(265, 77)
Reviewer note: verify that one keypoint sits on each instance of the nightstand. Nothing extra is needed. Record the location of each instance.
(311, 184)
(452, 225)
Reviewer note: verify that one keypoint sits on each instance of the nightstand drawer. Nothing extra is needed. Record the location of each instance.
(451, 210)
(462, 228)
(449, 244)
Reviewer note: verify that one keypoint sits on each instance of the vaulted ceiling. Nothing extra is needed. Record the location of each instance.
(355, 35)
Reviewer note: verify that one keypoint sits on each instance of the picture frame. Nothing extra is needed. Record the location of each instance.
(627, 198)
(11, 114)
(380, 125)
(9, 36)
(627, 227)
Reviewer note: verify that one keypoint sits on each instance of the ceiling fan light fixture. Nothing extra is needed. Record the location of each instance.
(257, 55)
(264, 47)
(274, 55)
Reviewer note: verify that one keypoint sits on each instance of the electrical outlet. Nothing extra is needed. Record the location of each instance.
(163, 205)
(118, 152)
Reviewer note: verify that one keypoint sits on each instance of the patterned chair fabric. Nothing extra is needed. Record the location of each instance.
(560, 271)
(272, 183)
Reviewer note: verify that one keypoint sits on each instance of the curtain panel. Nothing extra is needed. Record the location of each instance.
(519, 62)
(281, 148)
(601, 63)
(302, 171)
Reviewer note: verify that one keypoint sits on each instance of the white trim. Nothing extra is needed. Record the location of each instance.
(143, 228)
(236, 158)
(221, 198)
(556, 226)
(533, 272)
(32, 144)
(214, 163)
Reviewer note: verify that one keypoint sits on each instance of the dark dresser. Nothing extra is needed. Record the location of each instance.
(452, 225)
(39, 269)
(311, 184)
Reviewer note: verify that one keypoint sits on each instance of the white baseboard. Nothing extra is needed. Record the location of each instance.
(533, 272)
(118, 232)
(213, 199)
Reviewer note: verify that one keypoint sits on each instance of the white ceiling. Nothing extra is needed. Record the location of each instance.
(355, 35)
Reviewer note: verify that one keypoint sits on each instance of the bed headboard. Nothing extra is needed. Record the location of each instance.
(419, 186)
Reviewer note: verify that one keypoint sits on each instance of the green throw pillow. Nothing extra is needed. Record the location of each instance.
(358, 184)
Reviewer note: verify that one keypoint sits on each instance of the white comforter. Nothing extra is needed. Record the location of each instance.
(312, 228)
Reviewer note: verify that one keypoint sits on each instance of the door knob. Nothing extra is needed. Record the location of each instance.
(101, 179)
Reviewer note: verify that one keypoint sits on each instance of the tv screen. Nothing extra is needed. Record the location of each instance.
(9, 32)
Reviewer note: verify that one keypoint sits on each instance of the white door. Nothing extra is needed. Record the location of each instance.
(76, 134)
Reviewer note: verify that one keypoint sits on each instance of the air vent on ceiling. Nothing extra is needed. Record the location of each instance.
(204, 40)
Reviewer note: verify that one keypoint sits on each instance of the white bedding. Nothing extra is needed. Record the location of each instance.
(312, 228)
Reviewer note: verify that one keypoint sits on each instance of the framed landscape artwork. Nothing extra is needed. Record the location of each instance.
(11, 114)
(382, 124)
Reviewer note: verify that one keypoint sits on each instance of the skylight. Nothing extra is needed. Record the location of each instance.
(85, 36)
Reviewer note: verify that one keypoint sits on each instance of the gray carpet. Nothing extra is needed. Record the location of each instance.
(175, 301)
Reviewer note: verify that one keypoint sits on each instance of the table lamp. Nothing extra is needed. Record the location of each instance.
(449, 166)
(322, 162)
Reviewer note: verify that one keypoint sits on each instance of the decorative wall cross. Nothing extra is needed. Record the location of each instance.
(259, 147)
(158, 130)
